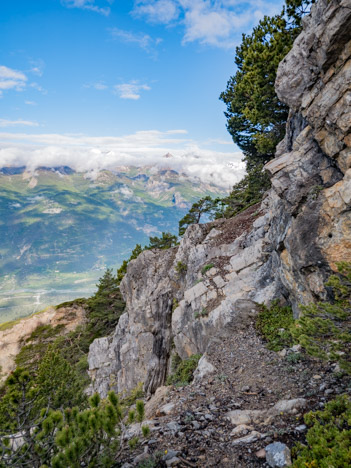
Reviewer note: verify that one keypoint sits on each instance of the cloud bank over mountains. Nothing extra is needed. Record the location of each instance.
(92, 154)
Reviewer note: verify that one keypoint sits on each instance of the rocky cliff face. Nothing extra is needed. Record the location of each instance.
(178, 300)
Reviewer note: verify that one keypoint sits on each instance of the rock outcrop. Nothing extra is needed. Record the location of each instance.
(180, 300)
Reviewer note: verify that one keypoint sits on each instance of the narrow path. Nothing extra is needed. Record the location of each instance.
(247, 377)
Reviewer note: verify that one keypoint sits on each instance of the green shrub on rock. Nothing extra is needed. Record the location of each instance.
(329, 437)
(274, 324)
(184, 371)
(324, 329)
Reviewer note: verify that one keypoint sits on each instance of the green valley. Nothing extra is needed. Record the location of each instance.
(60, 229)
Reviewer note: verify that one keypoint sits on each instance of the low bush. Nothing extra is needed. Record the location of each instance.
(183, 373)
(274, 324)
(328, 438)
(206, 268)
(202, 313)
(181, 268)
(324, 329)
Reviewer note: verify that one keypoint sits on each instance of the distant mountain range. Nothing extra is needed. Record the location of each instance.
(59, 229)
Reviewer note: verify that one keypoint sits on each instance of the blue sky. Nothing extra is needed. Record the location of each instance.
(98, 83)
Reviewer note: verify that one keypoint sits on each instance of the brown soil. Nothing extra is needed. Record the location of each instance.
(234, 227)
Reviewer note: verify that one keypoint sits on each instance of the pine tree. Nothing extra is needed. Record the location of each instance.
(123, 268)
(256, 118)
(204, 206)
(166, 241)
(106, 306)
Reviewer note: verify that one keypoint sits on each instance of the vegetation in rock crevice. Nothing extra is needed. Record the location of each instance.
(182, 371)
(274, 324)
(324, 328)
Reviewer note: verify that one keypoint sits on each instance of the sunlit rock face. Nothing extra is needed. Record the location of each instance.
(178, 300)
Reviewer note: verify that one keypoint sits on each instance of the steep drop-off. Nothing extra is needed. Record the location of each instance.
(178, 299)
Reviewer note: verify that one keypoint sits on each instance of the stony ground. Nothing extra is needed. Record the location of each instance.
(191, 425)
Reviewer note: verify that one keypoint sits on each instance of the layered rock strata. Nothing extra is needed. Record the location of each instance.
(179, 299)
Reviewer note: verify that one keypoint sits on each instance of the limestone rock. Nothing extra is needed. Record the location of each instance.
(167, 409)
(278, 455)
(289, 406)
(204, 368)
(153, 405)
(248, 439)
(240, 417)
(241, 430)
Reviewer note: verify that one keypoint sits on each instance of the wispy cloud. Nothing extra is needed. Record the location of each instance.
(30, 103)
(37, 67)
(144, 41)
(17, 123)
(38, 88)
(217, 23)
(131, 90)
(11, 79)
(92, 154)
(99, 86)
(88, 5)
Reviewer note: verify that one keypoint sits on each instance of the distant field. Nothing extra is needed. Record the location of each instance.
(36, 296)
(59, 230)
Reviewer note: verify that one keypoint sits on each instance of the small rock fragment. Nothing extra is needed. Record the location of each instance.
(204, 368)
(173, 426)
(173, 461)
(196, 425)
(167, 409)
(241, 430)
(288, 406)
(252, 437)
(237, 417)
(261, 453)
(278, 455)
(141, 458)
(169, 454)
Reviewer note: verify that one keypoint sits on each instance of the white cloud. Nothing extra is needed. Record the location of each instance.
(11, 79)
(16, 123)
(91, 154)
(159, 11)
(144, 41)
(131, 90)
(88, 5)
(30, 103)
(218, 23)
